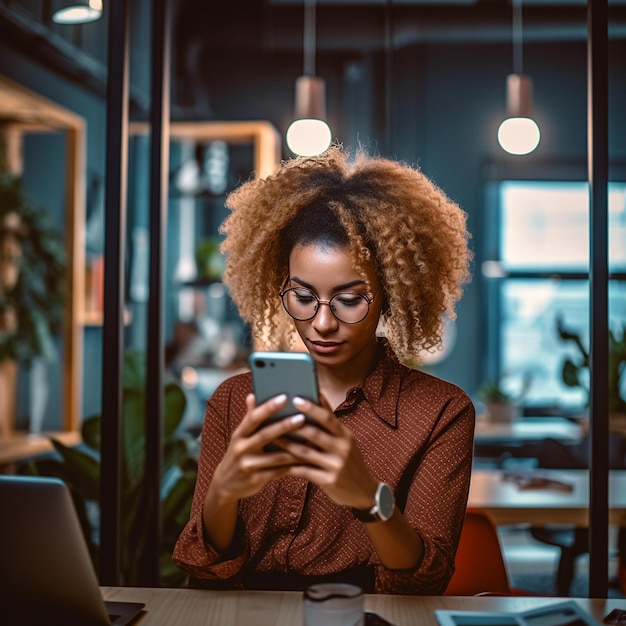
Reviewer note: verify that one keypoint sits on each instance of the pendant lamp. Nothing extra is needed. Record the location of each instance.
(519, 133)
(309, 134)
(76, 11)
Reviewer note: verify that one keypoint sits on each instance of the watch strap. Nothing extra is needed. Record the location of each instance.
(367, 515)
(374, 514)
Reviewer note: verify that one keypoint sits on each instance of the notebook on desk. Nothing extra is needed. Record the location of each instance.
(46, 573)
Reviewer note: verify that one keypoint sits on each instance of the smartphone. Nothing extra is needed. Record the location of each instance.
(291, 373)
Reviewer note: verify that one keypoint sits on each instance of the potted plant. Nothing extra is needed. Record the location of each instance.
(575, 368)
(502, 404)
(32, 270)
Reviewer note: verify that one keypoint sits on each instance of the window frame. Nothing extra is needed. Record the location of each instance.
(492, 273)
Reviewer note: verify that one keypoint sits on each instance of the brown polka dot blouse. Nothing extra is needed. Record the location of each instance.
(415, 432)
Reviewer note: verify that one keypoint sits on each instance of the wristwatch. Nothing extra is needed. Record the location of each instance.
(383, 509)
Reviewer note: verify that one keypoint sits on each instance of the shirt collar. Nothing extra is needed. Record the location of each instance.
(381, 388)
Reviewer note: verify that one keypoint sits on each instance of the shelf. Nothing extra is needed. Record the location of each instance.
(24, 112)
(96, 318)
(19, 446)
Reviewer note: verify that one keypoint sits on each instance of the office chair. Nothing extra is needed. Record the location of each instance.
(479, 564)
(574, 541)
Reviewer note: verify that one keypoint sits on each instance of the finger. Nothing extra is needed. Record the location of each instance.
(323, 416)
(253, 483)
(307, 454)
(309, 473)
(267, 461)
(275, 431)
(256, 415)
(319, 439)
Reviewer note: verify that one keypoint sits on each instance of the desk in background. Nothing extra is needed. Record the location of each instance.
(527, 430)
(182, 607)
(506, 503)
(494, 441)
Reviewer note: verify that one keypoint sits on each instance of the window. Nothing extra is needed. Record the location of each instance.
(540, 235)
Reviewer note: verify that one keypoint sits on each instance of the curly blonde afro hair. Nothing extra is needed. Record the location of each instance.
(393, 216)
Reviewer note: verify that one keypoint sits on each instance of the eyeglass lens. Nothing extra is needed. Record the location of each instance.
(302, 304)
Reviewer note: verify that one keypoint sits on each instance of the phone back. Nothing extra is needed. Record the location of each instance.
(291, 373)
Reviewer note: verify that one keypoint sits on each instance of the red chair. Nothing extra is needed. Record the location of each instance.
(479, 565)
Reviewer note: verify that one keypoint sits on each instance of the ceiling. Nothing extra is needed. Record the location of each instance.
(360, 25)
(229, 37)
(231, 32)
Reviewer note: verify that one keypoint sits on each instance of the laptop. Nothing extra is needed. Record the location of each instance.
(46, 572)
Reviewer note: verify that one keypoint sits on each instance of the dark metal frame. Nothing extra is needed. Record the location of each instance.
(159, 166)
(115, 239)
(598, 161)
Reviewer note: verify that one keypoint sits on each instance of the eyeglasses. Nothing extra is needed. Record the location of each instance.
(348, 307)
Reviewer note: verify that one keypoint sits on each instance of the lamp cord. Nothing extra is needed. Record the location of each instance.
(389, 46)
(517, 37)
(309, 38)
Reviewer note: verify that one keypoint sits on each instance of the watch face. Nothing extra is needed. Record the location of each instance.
(386, 502)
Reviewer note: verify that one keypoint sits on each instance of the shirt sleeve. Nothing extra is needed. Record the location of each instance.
(192, 552)
(436, 502)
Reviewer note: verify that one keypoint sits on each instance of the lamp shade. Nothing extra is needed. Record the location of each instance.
(310, 97)
(519, 133)
(519, 95)
(76, 11)
(309, 134)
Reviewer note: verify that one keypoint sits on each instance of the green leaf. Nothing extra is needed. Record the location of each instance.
(82, 468)
(38, 297)
(133, 435)
(174, 408)
(91, 432)
(134, 375)
(570, 374)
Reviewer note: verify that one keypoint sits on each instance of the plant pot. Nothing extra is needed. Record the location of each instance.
(503, 412)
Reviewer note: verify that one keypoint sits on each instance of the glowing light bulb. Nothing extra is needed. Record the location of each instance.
(308, 137)
(519, 135)
(79, 13)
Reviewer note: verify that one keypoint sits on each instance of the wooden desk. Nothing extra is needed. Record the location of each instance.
(527, 430)
(19, 446)
(508, 504)
(182, 607)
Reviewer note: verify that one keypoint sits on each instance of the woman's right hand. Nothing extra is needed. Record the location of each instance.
(246, 467)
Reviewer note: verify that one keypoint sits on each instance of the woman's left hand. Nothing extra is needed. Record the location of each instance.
(333, 462)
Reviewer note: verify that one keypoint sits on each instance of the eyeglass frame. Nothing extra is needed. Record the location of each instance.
(320, 301)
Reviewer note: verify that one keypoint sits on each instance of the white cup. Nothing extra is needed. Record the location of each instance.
(334, 604)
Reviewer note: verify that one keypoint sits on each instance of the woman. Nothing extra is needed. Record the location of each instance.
(319, 257)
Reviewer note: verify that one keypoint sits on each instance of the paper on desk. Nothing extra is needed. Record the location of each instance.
(536, 480)
(566, 613)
